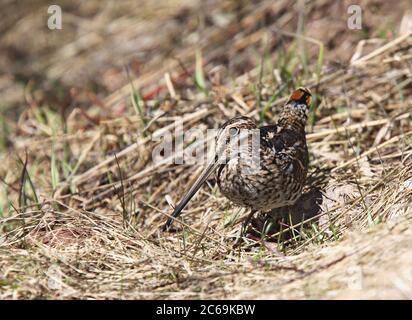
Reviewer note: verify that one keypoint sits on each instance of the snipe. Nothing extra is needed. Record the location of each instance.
(278, 177)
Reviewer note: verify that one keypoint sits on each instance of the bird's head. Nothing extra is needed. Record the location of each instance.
(233, 137)
(300, 99)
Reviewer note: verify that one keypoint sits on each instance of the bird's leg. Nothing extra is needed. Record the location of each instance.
(244, 226)
(291, 222)
(246, 222)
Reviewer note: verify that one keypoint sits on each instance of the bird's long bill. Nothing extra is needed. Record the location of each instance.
(210, 168)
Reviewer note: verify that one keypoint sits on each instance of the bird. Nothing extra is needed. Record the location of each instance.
(269, 176)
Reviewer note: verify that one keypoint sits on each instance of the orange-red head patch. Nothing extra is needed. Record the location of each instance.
(301, 95)
(296, 95)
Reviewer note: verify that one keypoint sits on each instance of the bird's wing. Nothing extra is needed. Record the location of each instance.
(278, 138)
(283, 148)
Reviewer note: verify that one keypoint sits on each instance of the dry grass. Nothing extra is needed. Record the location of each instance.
(101, 200)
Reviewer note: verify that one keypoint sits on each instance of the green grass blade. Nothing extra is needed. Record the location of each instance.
(55, 178)
(137, 102)
(199, 74)
(22, 192)
(319, 62)
(33, 192)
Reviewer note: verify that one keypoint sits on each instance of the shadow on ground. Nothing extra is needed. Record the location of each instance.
(307, 210)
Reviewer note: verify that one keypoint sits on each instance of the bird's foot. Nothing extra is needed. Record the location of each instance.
(243, 232)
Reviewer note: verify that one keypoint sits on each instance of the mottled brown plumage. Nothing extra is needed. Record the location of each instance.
(268, 177)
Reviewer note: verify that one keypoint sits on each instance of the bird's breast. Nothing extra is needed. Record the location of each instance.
(276, 180)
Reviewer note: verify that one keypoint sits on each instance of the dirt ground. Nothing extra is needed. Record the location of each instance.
(82, 201)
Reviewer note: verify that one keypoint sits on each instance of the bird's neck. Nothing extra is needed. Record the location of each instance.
(293, 118)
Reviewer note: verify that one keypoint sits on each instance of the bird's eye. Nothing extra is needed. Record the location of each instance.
(233, 131)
